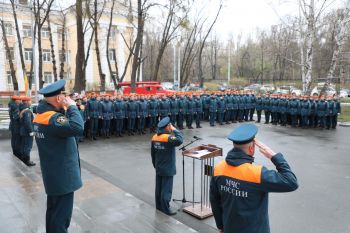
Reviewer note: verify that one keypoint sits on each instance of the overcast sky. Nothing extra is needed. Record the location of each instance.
(245, 16)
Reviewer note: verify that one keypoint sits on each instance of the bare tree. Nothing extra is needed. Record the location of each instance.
(53, 57)
(9, 57)
(80, 81)
(19, 40)
(200, 68)
(63, 47)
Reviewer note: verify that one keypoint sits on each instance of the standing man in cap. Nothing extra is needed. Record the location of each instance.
(26, 130)
(55, 134)
(164, 161)
(239, 190)
(14, 126)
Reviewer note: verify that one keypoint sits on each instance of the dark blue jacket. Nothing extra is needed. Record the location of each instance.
(58, 151)
(174, 106)
(163, 152)
(153, 107)
(106, 109)
(305, 107)
(132, 109)
(213, 104)
(119, 109)
(143, 108)
(199, 105)
(26, 120)
(13, 109)
(322, 108)
(293, 106)
(267, 103)
(259, 104)
(93, 108)
(164, 107)
(239, 191)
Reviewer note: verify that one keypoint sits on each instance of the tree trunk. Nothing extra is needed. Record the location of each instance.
(97, 49)
(79, 84)
(63, 48)
(54, 67)
(8, 53)
(135, 63)
(107, 49)
(41, 81)
(33, 51)
(19, 40)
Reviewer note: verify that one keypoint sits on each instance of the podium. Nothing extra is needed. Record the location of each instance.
(205, 154)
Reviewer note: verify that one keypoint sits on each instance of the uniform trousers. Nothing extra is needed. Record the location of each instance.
(59, 213)
(26, 147)
(164, 190)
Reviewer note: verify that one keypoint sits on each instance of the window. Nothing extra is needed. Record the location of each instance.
(111, 54)
(46, 55)
(48, 77)
(27, 31)
(59, 34)
(28, 55)
(12, 54)
(114, 31)
(9, 78)
(64, 57)
(8, 28)
(66, 75)
(45, 32)
(23, 2)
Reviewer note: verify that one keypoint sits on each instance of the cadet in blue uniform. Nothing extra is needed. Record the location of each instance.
(119, 109)
(267, 108)
(239, 189)
(213, 108)
(174, 109)
(164, 161)
(199, 111)
(322, 108)
(305, 109)
(143, 113)
(191, 108)
(55, 135)
(336, 112)
(293, 107)
(182, 112)
(132, 113)
(93, 111)
(259, 107)
(107, 115)
(26, 130)
(153, 113)
(221, 109)
(164, 107)
(13, 107)
(229, 108)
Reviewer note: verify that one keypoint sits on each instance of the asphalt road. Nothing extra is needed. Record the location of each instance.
(319, 158)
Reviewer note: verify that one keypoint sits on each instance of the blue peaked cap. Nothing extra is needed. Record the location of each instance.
(244, 134)
(164, 122)
(53, 89)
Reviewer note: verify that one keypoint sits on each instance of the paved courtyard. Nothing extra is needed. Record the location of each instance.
(118, 193)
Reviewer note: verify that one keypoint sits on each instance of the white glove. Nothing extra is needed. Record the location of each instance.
(31, 134)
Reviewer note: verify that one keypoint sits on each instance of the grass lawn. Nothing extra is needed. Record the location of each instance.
(345, 114)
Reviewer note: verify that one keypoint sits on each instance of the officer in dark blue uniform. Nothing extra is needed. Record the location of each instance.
(283, 108)
(164, 107)
(199, 111)
(239, 189)
(313, 109)
(305, 110)
(336, 112)
(293, 107)
(191, 108)
(213, 108)
(107, 115)
(252, 106)
(229, 108)
(259, 107)
(55, 135)
(234, 114)
(153, 113)
(322, 108)
(143, 113)
(26, 130)
(221, 109)
(119, 109)
(174, 109)
(132, 113)
(164, 161)
(182, 112)
(14, 126)
(267, 108)
(94, 114)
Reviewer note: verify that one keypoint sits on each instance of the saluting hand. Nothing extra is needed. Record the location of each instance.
(67, 102)
(265, 150)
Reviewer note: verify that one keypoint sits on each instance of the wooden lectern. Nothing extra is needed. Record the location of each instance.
(206, 154)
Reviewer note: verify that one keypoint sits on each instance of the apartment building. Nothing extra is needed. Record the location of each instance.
(122, 33)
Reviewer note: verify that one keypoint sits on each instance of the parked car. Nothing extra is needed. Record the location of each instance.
(344, 93)
(253, 87)
(330, 90)
(168, 85)
(267, 88)
(288, 90)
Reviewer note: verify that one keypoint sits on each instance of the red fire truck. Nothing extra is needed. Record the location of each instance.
(145, 88)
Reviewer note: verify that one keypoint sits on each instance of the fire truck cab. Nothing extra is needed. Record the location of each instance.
(145, 88)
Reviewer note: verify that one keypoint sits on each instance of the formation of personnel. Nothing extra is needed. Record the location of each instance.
(21, 127)
(107, 115)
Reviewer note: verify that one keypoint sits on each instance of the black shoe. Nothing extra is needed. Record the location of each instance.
(30, 163)
(227, 123)
(171, 212)
(94, 138)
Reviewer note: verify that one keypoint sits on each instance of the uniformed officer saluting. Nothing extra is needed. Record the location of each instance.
(164, 161)
(239, 189)
(55, 134)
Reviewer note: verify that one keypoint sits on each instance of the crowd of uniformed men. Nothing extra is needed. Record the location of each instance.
(107, 115)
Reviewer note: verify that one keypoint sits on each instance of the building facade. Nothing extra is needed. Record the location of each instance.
(121, 35)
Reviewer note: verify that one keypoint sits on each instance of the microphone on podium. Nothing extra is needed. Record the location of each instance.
(197, 138)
